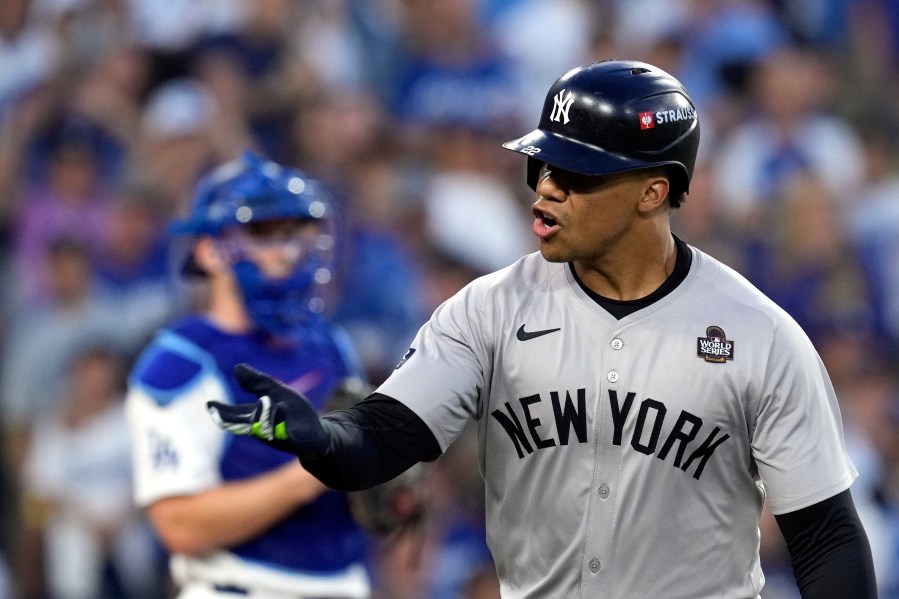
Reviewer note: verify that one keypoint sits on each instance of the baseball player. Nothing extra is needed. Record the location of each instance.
(240, 518)
(637, 401)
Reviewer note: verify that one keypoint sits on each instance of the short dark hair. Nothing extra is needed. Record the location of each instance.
(677, 184)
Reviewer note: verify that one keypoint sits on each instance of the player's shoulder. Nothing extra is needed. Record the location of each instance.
(723, 288)
(529, 271)
(484, 302)
(173, 361)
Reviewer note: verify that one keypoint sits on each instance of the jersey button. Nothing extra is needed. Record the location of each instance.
(604, 492)
(594, 565)
(617, 343)
(612, 376)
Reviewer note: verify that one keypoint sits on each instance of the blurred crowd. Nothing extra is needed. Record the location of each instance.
(110, 110)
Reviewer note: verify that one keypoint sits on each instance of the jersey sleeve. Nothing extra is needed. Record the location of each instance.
(798, 444)
(444, 373)
(176, 446)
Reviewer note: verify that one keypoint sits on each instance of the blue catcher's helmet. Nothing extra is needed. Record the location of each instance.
(253, 190)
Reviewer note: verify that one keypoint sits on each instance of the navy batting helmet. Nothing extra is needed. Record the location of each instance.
(252, 189)
(612, 117)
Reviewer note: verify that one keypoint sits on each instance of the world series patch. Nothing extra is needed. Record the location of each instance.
(715, 347)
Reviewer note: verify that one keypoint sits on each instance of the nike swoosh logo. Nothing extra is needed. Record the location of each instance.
(524, 335)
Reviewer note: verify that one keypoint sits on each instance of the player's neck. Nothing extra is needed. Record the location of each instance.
(630, 272)
(228, 313)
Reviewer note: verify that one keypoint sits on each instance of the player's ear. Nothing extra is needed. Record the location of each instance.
(655, 192)
(208, 257)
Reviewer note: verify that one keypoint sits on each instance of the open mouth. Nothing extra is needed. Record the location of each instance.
(544, 218)
(544, 224)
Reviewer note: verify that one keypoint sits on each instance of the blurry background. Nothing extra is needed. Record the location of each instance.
(111, 109)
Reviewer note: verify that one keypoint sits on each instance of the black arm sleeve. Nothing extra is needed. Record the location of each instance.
(372, 442)
(829, 550)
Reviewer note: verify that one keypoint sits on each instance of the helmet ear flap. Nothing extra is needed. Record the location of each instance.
(534, 167)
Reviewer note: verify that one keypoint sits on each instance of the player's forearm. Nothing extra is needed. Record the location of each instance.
(371, 443)
(844, 572)
(233, 512)
(829, 550)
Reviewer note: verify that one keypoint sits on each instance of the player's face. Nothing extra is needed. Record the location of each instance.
(580, 218)
(277, 246)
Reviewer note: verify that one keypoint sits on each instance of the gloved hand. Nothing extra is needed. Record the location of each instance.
(282, 418)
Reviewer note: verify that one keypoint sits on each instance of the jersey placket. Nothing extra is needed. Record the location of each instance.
(598, 559)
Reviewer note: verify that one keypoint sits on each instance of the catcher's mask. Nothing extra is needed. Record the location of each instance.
(239, 195)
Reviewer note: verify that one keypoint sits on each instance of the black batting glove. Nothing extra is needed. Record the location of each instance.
(282, 418)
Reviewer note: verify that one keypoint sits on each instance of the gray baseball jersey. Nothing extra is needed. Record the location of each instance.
(628, 458)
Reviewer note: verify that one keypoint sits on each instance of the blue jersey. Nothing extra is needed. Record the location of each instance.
(192, 362)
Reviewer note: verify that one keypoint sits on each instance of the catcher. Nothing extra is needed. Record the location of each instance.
(236, 516)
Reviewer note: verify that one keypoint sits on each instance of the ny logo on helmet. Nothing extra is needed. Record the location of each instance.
(561, 106)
